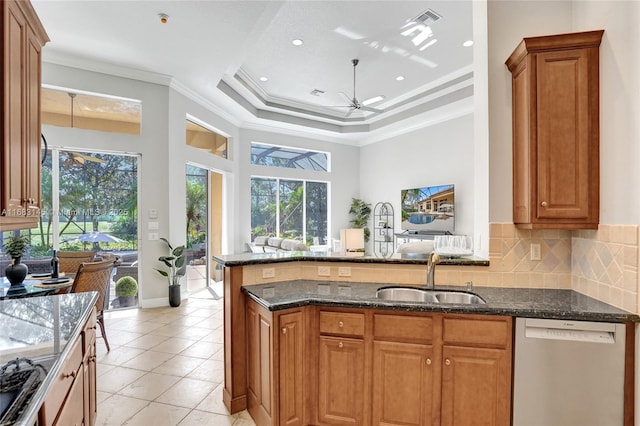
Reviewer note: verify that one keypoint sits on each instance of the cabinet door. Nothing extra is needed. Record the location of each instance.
(291, 369)
(72, 411)
(14, 132)
(341, 381)
(259, 364)
(402, 383)
(564, 143)
(475, 387)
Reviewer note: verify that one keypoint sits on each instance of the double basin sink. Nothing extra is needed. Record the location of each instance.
(419, 295)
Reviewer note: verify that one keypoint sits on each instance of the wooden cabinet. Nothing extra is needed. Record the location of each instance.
(276, 385)
(23, 37)
(89, 366)
(341, 368)
(476, 370)
(72, 398)
(403, 370)
(555, 93)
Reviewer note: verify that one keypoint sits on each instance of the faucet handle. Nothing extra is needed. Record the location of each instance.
(434, 258)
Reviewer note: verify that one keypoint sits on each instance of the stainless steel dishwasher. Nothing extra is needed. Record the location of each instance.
(568, 373)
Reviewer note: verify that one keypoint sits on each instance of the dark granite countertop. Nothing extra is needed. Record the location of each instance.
(518, 302)
(243, 259)
(40, 328)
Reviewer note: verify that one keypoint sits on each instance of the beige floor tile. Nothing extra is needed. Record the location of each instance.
(103, 368)
(201, 418)
(120, 337)
(117, 379)
(118, 355)
(187, 393)
(158, 414)
(192, 332)
(213, 402)
(148, 360)
(210, 370)
(150, 386)
(171, 330)
(101, 396)
(117, 409)
(179, 365)
(148, 341)
(218, 356)
(202, 349)
(174, 345)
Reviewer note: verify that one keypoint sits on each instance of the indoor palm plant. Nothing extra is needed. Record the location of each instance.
(176, 264)
(16, 246)
(360, 212)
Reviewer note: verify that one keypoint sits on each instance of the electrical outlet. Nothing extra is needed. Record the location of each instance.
(344, 271)
(268, 272)
(324, 271)
(535, 251)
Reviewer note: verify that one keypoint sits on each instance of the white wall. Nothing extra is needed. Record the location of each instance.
(509, 22)
(435, 155)
(343, 177)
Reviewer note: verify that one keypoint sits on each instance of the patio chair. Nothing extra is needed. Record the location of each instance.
(95, 276)
(70, 260)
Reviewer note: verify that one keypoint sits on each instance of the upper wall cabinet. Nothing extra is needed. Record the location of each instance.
(556, 131)
(23, 37)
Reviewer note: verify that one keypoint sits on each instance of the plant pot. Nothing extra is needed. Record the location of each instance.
(174, 295)
(16, 272)
(125, 301)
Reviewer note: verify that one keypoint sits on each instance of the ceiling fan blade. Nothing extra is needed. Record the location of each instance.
(348, 99)
(349, 112)
(366, 108)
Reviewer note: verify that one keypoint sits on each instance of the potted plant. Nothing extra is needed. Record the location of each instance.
(361, 212)
(16, 246)
(175, 261)
(126, 291)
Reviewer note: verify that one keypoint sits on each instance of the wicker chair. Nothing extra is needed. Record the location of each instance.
(95, 276)
(70, 260)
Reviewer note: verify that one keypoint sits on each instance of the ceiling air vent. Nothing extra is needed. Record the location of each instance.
(317, 92)
(427, 17)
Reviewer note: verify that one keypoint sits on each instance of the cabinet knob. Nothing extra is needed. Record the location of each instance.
(284, 331)
(72, 374)
(544, 204)
(340, 344)
(447, 362)
(340, 324)
(428, 361)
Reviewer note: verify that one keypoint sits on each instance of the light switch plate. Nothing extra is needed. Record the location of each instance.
(324, 271)
(535, 251)
(344, 271)
(153, 236)
(268, 272)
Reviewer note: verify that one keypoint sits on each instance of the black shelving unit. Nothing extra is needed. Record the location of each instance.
(383, 231)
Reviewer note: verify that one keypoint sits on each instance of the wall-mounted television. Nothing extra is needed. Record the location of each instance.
(429, 209)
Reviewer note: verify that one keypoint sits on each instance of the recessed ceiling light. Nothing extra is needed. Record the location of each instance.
(400, 78)
(263, 79)
(297, 42)
(468, 43)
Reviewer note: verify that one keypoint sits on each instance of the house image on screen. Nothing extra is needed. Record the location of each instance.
(428, 209)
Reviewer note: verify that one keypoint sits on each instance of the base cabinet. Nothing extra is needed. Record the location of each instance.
(275, 366)
(72, 398)
(341, 366)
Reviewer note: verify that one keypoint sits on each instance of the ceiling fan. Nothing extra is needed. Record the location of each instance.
(355, 104)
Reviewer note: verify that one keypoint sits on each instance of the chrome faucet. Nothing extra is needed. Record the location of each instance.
(434, 259)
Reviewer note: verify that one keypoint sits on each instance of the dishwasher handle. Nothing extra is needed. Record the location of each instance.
(574, 331)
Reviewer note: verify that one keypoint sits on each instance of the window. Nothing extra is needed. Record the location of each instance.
(289, 208)
(208, 140)
(70, 108)
(288, 157)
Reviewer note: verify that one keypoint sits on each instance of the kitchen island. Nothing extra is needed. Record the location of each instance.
(301, 329)
(57, 334)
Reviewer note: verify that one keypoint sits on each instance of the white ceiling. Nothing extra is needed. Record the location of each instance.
(220, 49)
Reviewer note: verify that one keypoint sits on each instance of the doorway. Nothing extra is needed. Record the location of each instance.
(204, 231)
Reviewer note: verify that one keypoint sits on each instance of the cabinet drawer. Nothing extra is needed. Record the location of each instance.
(402, 328)
(494, 333)
(61, 384)
(341, 323)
